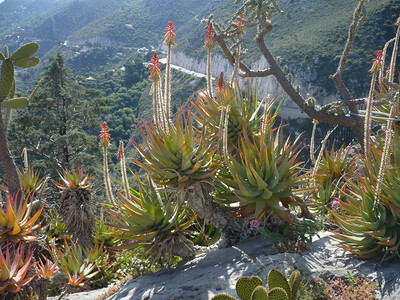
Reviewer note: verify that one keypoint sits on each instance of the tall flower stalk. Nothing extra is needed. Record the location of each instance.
(209, 45)
(394, 53)
(376, 65)
(155, 77)
(105, 143)
(388, 141)
(169, 41)
(312, 142)
(121, 157)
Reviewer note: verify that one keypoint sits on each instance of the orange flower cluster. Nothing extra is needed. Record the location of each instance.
(240, 25)
(104, 135)
(154, 68)
(170, 35)
(209, 37)
(377, 62)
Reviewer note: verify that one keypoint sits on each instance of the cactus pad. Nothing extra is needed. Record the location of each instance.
(2, 56)
(277, 279)
(6, 79)
(27, 62)
(223, 297)
(246, 285)
(294, 283)
(25, 51)
(277, 293)
(15, 103)
(259, 293)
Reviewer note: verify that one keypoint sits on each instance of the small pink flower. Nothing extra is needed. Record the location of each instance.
(335, 204)
(254, 224)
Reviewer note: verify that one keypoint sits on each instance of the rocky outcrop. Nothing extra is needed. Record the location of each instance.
(217, 272)
(268, 85)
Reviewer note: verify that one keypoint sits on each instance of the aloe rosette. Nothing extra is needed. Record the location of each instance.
(370, 220)
(13, 268)
(176, 157)
(243, 112)
(16, 222)
(150, 221)
(331, 175)
(263, 176)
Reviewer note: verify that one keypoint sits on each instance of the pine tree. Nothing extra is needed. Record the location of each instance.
(60, 126)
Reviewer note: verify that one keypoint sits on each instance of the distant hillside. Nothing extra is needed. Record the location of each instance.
(309, 35)
(16, 16)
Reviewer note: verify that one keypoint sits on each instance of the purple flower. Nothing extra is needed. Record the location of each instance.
(254, 224)
(335, 204)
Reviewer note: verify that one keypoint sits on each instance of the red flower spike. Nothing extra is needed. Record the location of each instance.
(240, 25)
(104, 135)
(154, 68)
(220, 85)
(377, 62)
(170, 35)
(120, 153)
(209, 37)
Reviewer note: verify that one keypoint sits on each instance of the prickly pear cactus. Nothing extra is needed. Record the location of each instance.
(21, 58)
(246, 285)
(250, 288)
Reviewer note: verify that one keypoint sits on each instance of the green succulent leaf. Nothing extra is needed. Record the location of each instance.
(245, 286)
(2, 56)
(6, 79)
(277, 293)
(25, 51)
(15, 103)
(277, 279)
(27, 62)
(259, 293)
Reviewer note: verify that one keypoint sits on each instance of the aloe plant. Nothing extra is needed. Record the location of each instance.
(75, 204)
(75, 261)
(175, 157)
(14, 266)
(152, 222)
(243, 114)
(263, 176)
(330, 177)
(370, 220)
(16, 222)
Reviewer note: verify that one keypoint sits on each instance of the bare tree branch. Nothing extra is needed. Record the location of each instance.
(337, 77)
(352, 121)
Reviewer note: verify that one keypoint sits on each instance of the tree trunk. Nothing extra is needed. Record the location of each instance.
(9, 167)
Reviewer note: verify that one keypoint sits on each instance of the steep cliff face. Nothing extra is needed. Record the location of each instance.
(268, 85)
